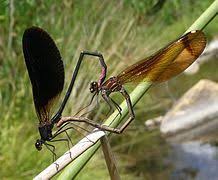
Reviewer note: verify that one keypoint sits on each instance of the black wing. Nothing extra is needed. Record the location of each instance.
(45, 68)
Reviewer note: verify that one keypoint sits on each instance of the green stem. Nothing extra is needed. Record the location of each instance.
(205, 18)
(76, 166)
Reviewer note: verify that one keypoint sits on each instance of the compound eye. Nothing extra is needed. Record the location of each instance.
(91, 90)
(93, 87)
(38, 145)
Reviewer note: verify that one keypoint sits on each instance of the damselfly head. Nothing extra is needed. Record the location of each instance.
(93, 87)
(38, 144)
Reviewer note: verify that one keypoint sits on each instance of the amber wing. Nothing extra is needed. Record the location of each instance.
(45, 68)
(167, 62)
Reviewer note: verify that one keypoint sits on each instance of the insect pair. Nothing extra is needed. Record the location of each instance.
(46, 72)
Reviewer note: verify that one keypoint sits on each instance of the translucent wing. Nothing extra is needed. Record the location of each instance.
(167, 62)
(45, 68)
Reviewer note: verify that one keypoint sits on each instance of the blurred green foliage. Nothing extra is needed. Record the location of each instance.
(123, 31)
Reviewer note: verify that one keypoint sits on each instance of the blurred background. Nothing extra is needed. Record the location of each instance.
(123, 31)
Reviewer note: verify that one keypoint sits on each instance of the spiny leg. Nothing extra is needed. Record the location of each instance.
(108, 101)
(53, 153)
(60, 130)
(86, 106)
(130, 108)
(97, 100)
(119, 109)
(65, 140)
(68, 137)
(88, 121)
(64, 124)
(95, 107)
(105, 127)
(60, 140)
(111, 102)
(129, 120)
(71, 127)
